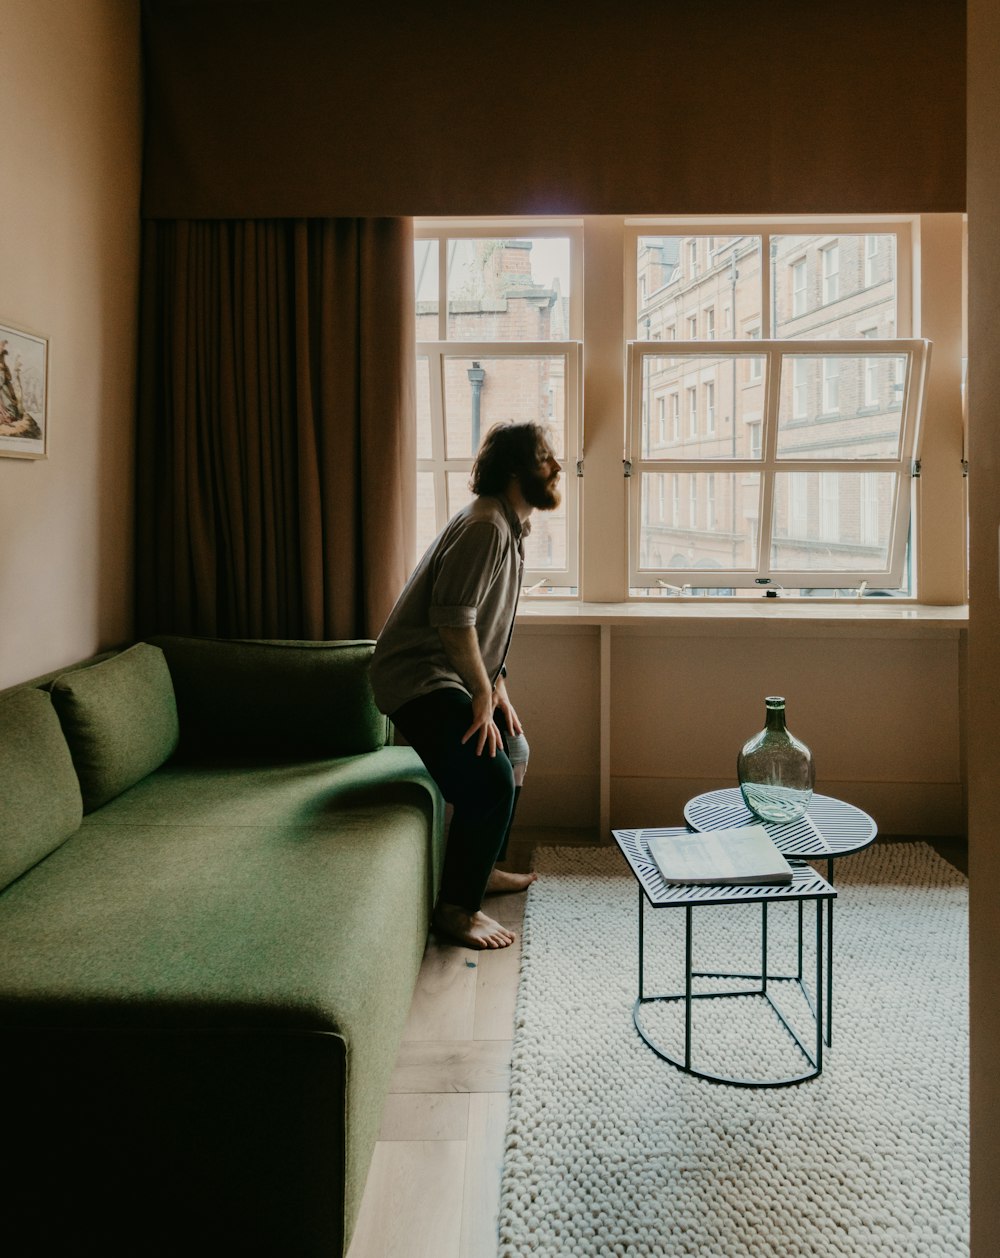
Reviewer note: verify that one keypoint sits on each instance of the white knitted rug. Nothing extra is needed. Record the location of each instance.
(612, 1151)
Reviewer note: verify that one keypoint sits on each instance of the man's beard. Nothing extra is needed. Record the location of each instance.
(540, 491)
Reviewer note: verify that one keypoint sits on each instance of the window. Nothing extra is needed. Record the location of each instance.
(871, 259)
(809, 478)
(777, 447)
(830, 256)
(799, 291)
(497, 317)
(831, 384)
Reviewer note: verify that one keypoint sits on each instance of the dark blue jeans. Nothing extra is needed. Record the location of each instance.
(480, 789)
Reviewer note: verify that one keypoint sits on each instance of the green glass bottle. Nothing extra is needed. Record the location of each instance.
(775, 769)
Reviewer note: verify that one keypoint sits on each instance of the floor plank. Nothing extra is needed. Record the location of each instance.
(496, 993)
(452, 1066)
(444, 1000)
(412, 1206)
(483, 1168)
(425, 1116)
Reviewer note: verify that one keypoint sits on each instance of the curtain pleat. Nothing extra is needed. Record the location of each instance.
(276, 434)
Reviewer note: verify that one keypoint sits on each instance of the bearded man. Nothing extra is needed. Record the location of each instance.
(438, 671)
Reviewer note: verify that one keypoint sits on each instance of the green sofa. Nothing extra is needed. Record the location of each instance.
(218, 878)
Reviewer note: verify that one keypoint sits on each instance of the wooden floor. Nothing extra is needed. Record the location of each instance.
(434, 1186)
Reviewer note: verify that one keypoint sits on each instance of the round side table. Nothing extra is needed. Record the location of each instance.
(830, 828)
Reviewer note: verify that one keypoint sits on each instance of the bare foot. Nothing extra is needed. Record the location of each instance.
(500, 880)
(475, 930)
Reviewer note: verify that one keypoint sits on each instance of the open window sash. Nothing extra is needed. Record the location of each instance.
(783, 463)
(454, 414)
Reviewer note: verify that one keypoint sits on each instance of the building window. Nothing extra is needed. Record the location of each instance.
(710, 502)
(800, 388)
(661, 419)
(831, 385)
(675, 417)
(753, 440)
(871, 260)
(693, 502)
(675, 500)
(709, 407)
(710, 323)
(692, 258)
(830, 258)
(692, 327)
(692, 397)
(799, 287)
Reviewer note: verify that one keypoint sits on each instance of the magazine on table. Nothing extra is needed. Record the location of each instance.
(745, 854)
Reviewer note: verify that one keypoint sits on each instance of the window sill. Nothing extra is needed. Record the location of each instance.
(787, 617)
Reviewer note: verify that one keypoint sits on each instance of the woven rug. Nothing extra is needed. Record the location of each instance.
(612, 1151)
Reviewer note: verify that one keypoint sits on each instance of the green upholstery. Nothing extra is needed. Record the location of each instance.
(203, 990)
(262, 698)
(39, 789)
(120, 720)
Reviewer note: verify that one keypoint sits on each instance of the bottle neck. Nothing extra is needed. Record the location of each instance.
(776, 718)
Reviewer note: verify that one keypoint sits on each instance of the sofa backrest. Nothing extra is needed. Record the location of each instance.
(242, 697)
(40, 801)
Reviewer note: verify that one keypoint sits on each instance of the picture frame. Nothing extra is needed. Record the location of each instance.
(23, 394)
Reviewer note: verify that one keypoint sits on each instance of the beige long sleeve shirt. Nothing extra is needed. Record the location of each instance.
(469, 575)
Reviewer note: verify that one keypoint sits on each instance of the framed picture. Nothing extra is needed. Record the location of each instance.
(23, 367)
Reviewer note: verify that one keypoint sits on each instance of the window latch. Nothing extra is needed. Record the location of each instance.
(579, 467)
(965, 467)
(916, 468)
(627, 465)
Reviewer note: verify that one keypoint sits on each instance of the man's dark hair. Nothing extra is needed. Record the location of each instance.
(507, 450)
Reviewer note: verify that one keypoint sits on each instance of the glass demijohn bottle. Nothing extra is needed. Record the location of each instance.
(775, 769)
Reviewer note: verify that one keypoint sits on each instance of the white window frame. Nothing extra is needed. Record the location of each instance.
(570, 350)
(778, 353)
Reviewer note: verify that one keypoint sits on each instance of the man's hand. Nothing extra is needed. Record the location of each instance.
(506, 708)
(462, 648)
(483, 728)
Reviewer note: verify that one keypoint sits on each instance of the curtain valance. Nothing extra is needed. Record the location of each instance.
(289, 108)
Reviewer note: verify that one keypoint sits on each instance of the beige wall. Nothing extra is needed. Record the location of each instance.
(984, 618)
(69, 202)
(878, 703)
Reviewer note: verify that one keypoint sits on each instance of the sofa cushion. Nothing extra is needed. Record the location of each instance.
(39, 789)
(120, 720)
(273, 699)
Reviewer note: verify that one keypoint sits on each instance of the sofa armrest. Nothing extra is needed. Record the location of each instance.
(273, 698)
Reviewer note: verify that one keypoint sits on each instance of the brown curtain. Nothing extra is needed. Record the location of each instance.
(276, 432)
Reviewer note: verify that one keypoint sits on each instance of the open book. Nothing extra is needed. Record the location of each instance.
(746, 854)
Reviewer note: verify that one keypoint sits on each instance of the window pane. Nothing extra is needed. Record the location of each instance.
(484, 391)
(712, 406)
(839, 286)
(426, 526)
(699, 520)
(509, 289)
(682, 280)
(841, 406)
(459, 492)
(424, 448)
(425, 283)
(832, 521)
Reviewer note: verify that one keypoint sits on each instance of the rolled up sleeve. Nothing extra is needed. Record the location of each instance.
(464, 574)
